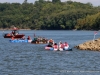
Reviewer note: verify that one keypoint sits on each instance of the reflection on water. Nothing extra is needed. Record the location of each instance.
(32, 59)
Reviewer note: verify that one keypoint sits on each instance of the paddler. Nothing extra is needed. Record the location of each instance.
(50, 42)
(61, 46)
(55, 46)
(66, 46)
(12, 38)
(29, 38)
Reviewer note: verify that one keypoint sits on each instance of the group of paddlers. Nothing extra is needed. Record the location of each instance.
(36, 40)
(39, 40)
(61, 46)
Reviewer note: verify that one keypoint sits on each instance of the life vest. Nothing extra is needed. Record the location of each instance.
(12, 38)
(62, 46)
(55, 46)
(51, 41)
(8, 34)
(66, 44)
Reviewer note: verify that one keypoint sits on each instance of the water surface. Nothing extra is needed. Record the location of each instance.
(32, 59)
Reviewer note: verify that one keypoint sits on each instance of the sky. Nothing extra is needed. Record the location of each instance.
(94, 2)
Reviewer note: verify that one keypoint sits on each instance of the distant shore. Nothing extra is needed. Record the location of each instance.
(11, 29)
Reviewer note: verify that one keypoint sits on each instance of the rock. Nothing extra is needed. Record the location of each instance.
(93, 45)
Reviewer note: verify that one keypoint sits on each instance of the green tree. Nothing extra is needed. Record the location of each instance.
(55, 1)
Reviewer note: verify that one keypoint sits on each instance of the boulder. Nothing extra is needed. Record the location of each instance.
(93, 45)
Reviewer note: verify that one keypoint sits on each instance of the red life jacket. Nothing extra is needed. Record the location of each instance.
(62, 46)
(65, 44)
(12, 38)
(55, 46)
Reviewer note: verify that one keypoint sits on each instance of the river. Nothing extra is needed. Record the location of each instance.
(33, 59)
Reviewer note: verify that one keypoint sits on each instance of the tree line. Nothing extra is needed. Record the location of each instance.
(50, 15)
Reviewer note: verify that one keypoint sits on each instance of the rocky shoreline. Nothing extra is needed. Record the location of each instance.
(93, 45)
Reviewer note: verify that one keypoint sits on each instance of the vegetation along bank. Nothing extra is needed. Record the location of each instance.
(50, 15)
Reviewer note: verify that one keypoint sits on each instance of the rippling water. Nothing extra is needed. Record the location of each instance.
(32, 59)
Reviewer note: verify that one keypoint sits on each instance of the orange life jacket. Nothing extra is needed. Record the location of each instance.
(8, 34)
(12, 38)
(51, 41)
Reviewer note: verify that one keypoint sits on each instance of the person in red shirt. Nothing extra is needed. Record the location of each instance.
(55, 46)
(29, 38)
(12, 38)
(51, 42)
(61, 46)
(66, 46)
